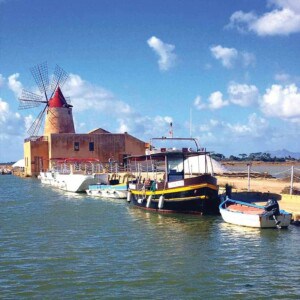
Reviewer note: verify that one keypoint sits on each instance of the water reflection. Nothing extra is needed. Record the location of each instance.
(181, 222)
(236, 231)
(107, 200)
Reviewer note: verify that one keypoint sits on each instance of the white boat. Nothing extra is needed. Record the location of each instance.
(108, 190)
(107, 187)
(72, 182)
(252, 215)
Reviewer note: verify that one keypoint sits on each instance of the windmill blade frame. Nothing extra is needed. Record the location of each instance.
(41, 77)
(30, 100)
(59, 78)
(36, 125)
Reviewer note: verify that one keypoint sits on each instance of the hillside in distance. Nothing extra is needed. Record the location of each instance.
(284, 153)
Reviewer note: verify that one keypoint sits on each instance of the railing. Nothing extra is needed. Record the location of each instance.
(292, 173)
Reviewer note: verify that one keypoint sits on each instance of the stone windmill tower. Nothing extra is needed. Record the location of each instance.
(57, 110)
(59, 118)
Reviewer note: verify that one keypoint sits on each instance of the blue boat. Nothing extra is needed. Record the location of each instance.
(118, 190)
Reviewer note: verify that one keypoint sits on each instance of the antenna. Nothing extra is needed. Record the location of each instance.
(190, 122)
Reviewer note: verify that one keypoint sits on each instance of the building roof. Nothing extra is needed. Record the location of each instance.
(58, 100)
(98, 130)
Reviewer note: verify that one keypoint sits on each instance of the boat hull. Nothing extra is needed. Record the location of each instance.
(253, 216)
(198, 195)
(77, 183)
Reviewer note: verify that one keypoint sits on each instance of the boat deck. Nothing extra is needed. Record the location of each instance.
(245, 209)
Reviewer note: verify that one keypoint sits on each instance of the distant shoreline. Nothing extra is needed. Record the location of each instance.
(257, 163)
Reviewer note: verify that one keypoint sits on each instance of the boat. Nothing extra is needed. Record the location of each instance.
(72, 182)
(5, 171)
(71, 175)
(118, 191)
(108, 188)
(165, 181)
(253, 215)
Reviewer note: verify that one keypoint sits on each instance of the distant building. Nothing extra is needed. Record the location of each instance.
(60, 142)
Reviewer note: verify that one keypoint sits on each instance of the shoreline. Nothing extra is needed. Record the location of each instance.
(259, 163)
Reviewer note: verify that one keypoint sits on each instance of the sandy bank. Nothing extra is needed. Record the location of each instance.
(264, 185)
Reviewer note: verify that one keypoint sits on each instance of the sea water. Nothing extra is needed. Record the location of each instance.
(58, 245)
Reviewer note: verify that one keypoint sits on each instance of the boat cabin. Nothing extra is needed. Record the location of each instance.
(174, 163)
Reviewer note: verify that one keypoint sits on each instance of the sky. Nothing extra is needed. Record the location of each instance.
(225, 72)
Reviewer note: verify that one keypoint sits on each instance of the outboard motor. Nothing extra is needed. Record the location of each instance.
(272, 206)
(272, 209)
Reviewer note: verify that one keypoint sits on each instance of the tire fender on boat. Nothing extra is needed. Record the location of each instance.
(149, 201)
(128, 196)
(161, 202)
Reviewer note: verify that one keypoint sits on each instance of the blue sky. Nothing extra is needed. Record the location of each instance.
(226, 72)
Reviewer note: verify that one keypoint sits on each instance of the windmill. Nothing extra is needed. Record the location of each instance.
(57, 109)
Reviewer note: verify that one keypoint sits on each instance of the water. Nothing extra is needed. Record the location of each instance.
(67, 246)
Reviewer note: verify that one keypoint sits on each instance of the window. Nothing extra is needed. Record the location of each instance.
(91, 146)
(76, 146)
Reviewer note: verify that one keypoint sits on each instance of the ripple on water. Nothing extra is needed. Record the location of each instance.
(56, 244)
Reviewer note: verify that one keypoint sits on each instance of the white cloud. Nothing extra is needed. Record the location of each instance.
(229, 57)
(282, 77)
(28, 120)
(282, 102)
(15, 85)
(11, 124)
(216, 101)
(198, 103)
(291, 4)
(285, 78)
(256, 127)
(86, 96)
(243, 94)
(165, 52)
(247, 59)
(145, 125)
(2, 79)
(210, 125)
(284, 19)
(239, 94)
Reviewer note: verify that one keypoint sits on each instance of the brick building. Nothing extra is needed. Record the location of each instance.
(60, 142)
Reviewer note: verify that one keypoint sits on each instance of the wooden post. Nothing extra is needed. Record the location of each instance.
(292, 180)
(249, 165)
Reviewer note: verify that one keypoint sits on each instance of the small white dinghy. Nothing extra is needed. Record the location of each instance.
(118, 191)
(252, 215)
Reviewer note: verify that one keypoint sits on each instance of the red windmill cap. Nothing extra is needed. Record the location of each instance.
(58, 100)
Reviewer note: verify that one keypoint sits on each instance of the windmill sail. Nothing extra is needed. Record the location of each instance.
(30, 100)
(40, 75)
(36, 125)
(59, 78)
